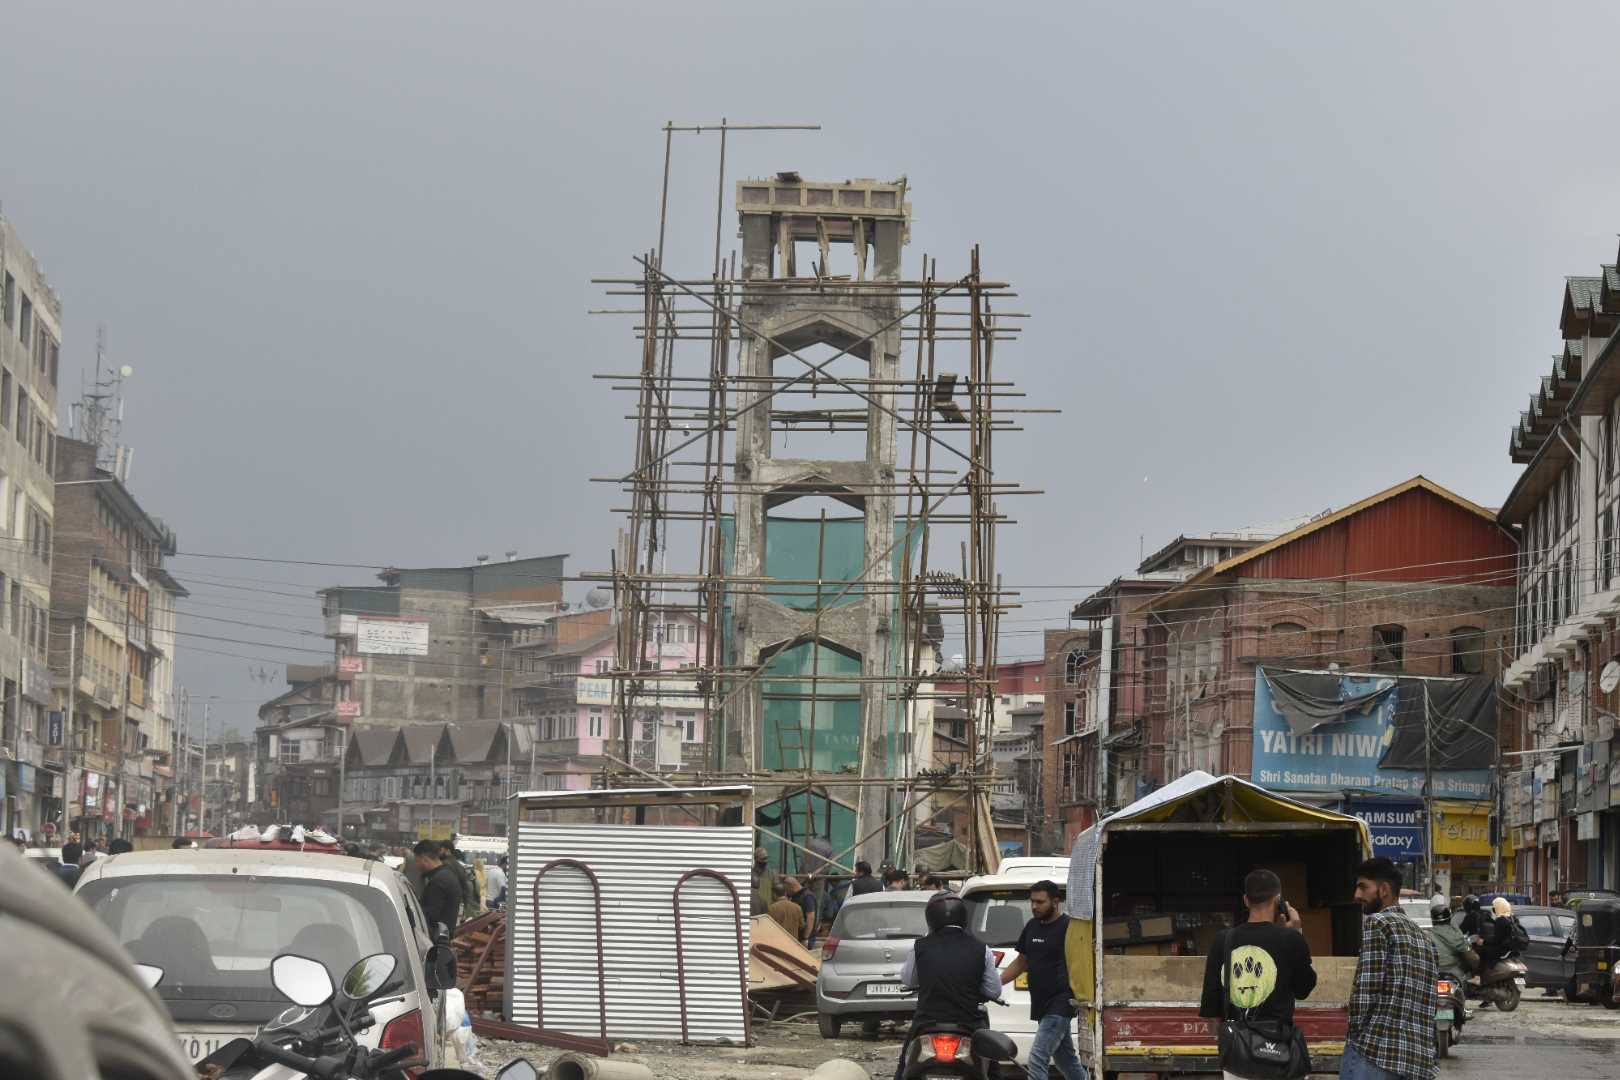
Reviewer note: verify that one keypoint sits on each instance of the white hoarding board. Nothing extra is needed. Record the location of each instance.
(391, 637)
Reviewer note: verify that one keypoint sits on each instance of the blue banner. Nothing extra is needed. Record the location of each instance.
(1396, 826)
(1343, 756)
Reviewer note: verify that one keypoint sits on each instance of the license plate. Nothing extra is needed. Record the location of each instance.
(1021, 983)
(197, 1045)
(1520, 982)
(885, 990)
(1443, 1014)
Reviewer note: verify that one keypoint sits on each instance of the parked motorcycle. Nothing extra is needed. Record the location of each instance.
(955, 1052)
(1449, 1014)
(315, 1039)
(1500, 985)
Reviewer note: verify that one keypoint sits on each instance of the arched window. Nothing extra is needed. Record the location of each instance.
(1071, 666)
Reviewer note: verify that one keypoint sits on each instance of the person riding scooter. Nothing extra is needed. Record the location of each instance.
(1499, 934)
(953, 972)
(1454, 955)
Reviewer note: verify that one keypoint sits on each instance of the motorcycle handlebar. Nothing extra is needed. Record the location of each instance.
(387, 1058)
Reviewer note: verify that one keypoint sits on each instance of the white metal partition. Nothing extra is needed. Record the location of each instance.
(634, 874)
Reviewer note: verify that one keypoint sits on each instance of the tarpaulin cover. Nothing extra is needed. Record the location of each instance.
(1308, 699)
(1461, 719)
(1243, 801)
(951, 855)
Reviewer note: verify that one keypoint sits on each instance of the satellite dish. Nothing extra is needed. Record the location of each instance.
(1610, 677)
(597, 599)
(126, 371)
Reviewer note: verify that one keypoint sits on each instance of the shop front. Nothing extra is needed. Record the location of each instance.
(1462, 847)
(1396, 829)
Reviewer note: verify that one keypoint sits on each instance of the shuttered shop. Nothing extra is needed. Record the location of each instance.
(637, 871)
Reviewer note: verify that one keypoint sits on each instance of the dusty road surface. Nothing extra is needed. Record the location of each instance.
(1544, 1037)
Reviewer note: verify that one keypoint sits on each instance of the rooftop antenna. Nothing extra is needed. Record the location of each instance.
(98, 415)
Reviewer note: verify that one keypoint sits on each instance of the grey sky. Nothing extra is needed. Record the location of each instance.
(1279, 256)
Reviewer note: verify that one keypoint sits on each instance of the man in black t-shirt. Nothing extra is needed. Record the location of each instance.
(1261, 967)
(1041, 954)
(863, 881)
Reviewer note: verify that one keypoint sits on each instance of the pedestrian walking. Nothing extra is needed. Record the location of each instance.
(807, 902)
(863, 882)
(1254, 974)
(786, 911)
(1042, 955)
(763, 884)
(68, 868)
(441, 887)
(1393, 998)
(495, 883)
(895, 880)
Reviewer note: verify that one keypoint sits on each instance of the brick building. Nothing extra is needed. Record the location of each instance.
(1413, 579)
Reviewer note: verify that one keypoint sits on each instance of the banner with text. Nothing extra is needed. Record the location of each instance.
(1343, 755)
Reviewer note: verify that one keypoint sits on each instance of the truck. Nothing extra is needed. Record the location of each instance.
(1152, 886)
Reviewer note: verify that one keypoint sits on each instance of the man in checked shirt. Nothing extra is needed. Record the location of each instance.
(1392, 1004)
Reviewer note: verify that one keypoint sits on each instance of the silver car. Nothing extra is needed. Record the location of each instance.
(213, 919)
(860, 963)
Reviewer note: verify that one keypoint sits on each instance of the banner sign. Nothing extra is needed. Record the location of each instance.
(1396, 826)
(1343, 755)
(391, 637)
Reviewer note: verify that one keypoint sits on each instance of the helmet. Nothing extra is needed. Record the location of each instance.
(1470, 903)
(945, 909)
(74, 1006)
(1439, 910)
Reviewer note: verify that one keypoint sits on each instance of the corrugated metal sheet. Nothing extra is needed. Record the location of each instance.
(1415, 536)
(637, 868)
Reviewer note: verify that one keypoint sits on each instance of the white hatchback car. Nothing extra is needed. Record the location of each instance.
(213, 919)
(998, 908)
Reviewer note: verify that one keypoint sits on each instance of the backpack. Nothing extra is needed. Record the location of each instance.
(1518, 937)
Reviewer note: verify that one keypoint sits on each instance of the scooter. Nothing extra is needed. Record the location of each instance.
(937, 1050)
(1449, 1014)
(1501, 984)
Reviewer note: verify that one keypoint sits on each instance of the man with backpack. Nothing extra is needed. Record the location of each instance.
(1257, 970)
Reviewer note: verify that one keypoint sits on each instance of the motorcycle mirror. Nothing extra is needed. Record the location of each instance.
(441, 967)
(301, 980)
(368, 975)
(518, 1070)
(149, 975)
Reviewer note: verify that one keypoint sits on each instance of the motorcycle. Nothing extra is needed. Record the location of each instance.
(936, 1050)
(1500, 984)
(315, 1038)
(1449, 1014)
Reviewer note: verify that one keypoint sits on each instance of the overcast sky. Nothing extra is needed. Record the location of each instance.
(1278, 256)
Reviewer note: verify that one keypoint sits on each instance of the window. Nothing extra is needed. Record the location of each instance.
(1388, 647)
(1569, 497)
(25, 325)
(688, 723)
(1071, 666)
(25, 424)
(9, 301)
(289, 751)
(1467, 650)
(1606, 447)
(1068, 718)
(604, 666)
(1536, 925)
(593, 724)
(55, 359)
(1605, 573)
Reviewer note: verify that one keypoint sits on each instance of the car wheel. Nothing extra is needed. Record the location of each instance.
(829, 1026)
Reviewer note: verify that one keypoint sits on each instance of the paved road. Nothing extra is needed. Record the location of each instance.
(1542, 1038)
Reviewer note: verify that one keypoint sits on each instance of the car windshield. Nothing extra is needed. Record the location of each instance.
(881, 921)
(1417, 911)
(214, 937)
(997, 916)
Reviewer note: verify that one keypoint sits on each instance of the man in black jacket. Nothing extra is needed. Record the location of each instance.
(953, 971)
(441, 888)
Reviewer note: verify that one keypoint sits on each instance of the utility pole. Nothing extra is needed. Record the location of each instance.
(433, 754)
(343, 761)
(202, 804)
(1428, 791)
(70, 795)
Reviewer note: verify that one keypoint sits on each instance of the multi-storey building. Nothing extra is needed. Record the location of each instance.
(1561, 807)
(429, 644)
(299, 745)
(30, 357)
(1401, 604)
(1096, 700)
(101, 648)
(562, 687)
